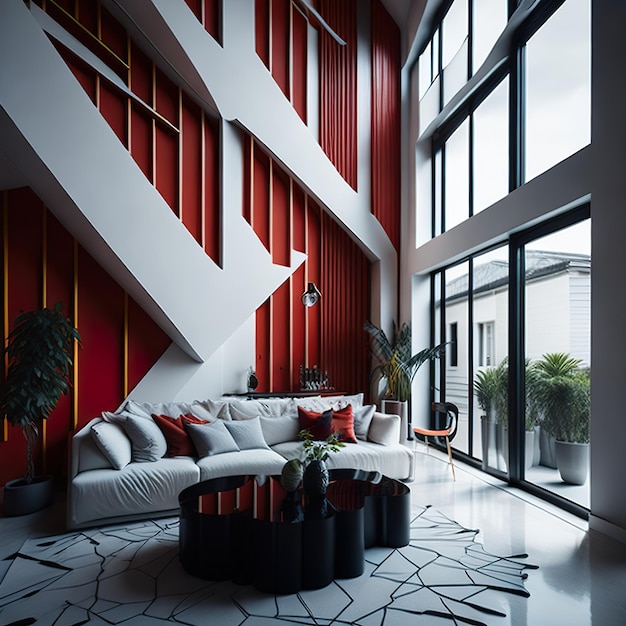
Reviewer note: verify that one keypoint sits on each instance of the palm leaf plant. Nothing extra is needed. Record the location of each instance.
(39, 351)
(563, 393)
(395, 365)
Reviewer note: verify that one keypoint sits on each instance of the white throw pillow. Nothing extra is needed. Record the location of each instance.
(362, 421)
(246, 409)
(211, 438)
(384, 429)
(247, 433)
(113, 443)
(280, 429)
(147, 441)
(218, 409)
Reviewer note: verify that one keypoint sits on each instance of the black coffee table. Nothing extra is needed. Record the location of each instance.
(232, 528)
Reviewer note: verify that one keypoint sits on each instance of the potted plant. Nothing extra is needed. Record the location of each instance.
(532, 415)
(563, 392)
(396, 368)
(491, 390)
(315, 477)
(39, 350)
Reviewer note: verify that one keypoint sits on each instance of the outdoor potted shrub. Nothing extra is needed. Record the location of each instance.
(532, 415)
(39, 349)
(564, 396)
(491, 393)
(396, 368)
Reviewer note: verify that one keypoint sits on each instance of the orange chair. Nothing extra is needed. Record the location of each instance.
(451, 412)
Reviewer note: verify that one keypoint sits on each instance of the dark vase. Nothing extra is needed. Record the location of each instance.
(315, 483)
(291, 508)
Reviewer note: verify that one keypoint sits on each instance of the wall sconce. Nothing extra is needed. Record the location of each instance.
(311, 295)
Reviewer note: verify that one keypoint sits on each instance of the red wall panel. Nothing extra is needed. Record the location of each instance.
(212, 196)
(262, 30)
(141, 141)
(101, 326)
(146, 343)
(166, 159)
(113, 109)
(191, 169)
(59, 278)
(263, 346)
(141, 76)
(280, 222)
(261, 197)
(280, 28)
(213, 18)
(314, 252)
(281, 337)
(338, 88)
(386, 121)
(300, 60)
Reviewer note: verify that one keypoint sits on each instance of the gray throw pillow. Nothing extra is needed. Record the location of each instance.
(113, 443)
(211, 438)
(362, 420)
(147, 441)
(247, 433)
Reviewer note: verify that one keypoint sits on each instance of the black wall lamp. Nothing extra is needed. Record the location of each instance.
(311, 295)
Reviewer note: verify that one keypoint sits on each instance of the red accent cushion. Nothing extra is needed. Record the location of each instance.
(173, 429)
(318, 424)
(343, 424)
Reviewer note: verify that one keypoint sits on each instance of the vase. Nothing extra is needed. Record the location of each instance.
(572, 461)
(396, 407)
(315, 482)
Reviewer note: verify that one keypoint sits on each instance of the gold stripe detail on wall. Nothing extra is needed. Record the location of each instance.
(44, 303)
(75, 359)
(5, 294)
(97, 39)
(125, 340)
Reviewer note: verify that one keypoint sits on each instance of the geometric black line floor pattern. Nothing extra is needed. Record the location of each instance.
(130, 574)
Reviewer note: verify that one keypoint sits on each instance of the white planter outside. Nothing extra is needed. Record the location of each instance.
(395, 407)
(572, 460)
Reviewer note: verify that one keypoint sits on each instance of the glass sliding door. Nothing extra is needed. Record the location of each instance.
(556, 291)
(490, 298)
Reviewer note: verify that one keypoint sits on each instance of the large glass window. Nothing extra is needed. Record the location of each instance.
(488, 21)
(558, 88)
(456, 177)
(490, 147)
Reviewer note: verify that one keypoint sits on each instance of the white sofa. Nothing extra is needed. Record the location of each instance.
(122, 468)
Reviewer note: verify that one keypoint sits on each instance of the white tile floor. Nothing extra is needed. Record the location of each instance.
(581, 578)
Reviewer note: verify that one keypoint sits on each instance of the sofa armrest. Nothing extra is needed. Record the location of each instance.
(384, 428)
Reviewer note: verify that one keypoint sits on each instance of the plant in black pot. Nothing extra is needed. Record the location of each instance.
(396, 368)
(39, 349)
(315, 477)
(290, 479)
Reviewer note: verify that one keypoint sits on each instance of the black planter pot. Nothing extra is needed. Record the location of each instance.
(21, 499)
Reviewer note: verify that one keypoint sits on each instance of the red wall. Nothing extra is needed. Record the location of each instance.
(42, 264)
(178, 149)
(288, 334)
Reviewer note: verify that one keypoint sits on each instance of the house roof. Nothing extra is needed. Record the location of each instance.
(495, 273)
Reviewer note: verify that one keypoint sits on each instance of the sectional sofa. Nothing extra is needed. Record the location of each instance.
(133, 463)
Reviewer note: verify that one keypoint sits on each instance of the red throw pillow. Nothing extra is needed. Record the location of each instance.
(343, 424)
(318, 424)
(173, 429)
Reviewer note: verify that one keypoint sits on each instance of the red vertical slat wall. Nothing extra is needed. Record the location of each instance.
(262, 30)
(338, 88)
(280, 19)
(95, 303)
(208, 13)
(211, 212)
(299, 54)
(191, 168)
(288, 334)
(386, 121)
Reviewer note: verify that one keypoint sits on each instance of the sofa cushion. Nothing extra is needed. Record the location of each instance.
(137, 489)
(177, 438)
(362, 420)
(113, 443)
(318, 424)
(279, 429)
(147, 441)
(247, 409)
(247, 433)
(254, 462)
(211, 438)
(384, 429)
(342, 424)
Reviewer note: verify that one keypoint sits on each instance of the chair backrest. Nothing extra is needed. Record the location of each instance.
(451, 411)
